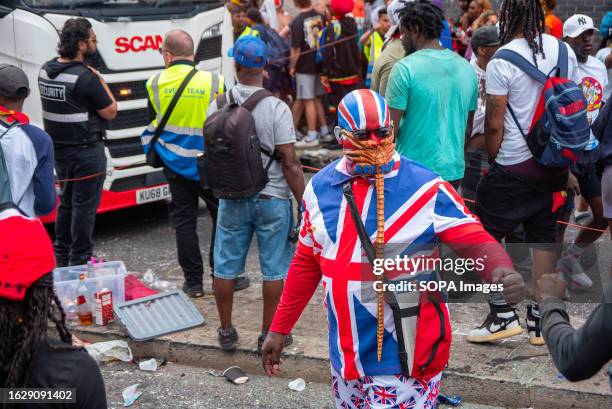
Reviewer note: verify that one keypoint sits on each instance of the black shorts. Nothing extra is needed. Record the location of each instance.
(589, 184)
(505, 200)
(476, 165)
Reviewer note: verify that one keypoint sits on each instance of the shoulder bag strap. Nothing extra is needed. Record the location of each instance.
(177, 96)
(366, 244)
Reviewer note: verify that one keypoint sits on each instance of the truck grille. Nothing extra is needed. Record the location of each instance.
(122, 148)
(208, 48)
(138, 90)
(131, 118)
(98, 63)
(138, 181)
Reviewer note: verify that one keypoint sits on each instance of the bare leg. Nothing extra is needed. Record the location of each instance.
(224, 297)
(320, 113)
(311, 114)
(544, 262)
(297, 110)
(272, 291)
(586, 237)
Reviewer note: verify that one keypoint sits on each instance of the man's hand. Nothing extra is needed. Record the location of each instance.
(514, 285)
(572, 184)
(551, 285)
(325, 81)
(271, 353)
(292, 72)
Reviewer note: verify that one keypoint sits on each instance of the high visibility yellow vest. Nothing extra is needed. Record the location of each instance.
(182, 138)
(248, 31)
(373, 49)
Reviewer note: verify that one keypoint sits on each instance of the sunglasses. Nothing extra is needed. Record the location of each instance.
(362, 133)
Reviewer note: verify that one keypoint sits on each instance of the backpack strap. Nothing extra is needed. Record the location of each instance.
(521, 62)
(254, 99)
(221, 100)
(562, 60)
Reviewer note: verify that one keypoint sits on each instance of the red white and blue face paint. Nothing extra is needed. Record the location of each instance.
(365, 133)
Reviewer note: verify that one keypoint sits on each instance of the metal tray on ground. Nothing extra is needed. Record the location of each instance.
(160, 314)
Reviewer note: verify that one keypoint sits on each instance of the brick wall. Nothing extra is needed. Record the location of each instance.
(565, 8)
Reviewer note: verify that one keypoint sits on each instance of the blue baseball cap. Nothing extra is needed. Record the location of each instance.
(250, 52)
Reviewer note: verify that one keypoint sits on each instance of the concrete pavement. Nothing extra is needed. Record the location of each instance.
(510, 374)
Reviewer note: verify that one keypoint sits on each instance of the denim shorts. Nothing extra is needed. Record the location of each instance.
(270, 219)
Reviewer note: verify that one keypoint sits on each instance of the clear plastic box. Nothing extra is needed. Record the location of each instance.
(109, 275)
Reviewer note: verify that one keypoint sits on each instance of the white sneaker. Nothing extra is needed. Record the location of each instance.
(328, 138)
(299, 135)
(502, 322)
(570, 267)
(307, 143)
(580, 216)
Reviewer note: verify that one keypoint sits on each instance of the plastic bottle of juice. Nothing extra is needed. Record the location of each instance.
(84, 302)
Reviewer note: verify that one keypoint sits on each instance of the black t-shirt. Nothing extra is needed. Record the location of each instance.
(58, 365)
(91, 93)
(305, 30)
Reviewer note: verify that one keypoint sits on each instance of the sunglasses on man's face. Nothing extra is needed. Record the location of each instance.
(365, 133)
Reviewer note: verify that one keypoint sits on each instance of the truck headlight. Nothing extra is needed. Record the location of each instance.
(214, 31)
(210, 44)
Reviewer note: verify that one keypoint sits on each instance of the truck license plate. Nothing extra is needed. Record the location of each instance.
(152, 194)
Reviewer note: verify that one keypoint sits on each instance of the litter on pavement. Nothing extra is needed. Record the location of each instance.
(236, 375)
(130, 395)
(110, 351)
(297, 385)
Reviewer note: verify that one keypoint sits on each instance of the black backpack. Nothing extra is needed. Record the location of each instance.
(232, 152)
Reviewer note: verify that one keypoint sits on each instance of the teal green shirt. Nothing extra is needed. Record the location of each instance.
(436, 89)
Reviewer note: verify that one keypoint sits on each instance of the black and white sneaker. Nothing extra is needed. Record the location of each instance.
(228, 338)
(533, 327)
(502, 322)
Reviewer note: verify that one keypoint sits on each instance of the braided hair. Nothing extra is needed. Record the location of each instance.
(424, 17)
(525, 15)
(24, 327)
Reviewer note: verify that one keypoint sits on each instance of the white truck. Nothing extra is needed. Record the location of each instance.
(129, 34)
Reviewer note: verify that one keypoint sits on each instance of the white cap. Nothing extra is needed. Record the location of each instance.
(576, 25)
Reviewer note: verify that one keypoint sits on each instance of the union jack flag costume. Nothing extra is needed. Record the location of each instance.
(420, 211)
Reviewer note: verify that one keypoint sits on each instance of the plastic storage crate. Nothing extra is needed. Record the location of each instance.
(109, 275)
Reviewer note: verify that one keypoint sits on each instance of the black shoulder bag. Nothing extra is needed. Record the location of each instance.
(405, 306)
(152, 156)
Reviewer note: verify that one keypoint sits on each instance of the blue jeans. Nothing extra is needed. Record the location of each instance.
(271, 220)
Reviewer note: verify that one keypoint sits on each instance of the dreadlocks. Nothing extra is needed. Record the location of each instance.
(24, 326)
(424, 17)
(525, 15)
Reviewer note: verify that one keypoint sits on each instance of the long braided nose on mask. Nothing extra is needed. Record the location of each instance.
(375, 158)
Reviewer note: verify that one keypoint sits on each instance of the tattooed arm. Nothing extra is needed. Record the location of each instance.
(494, 124)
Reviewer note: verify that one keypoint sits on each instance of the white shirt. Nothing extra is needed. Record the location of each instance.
(601, 56)
(504, 78)
(479, 114)
(593, 80)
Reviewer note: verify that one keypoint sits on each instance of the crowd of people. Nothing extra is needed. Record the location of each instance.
(427, 110)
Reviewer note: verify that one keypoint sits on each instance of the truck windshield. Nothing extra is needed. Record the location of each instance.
(72, 4)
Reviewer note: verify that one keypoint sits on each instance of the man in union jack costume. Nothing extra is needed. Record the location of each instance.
(406, 210)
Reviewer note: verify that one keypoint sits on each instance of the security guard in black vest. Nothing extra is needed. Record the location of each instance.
(76, 104)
